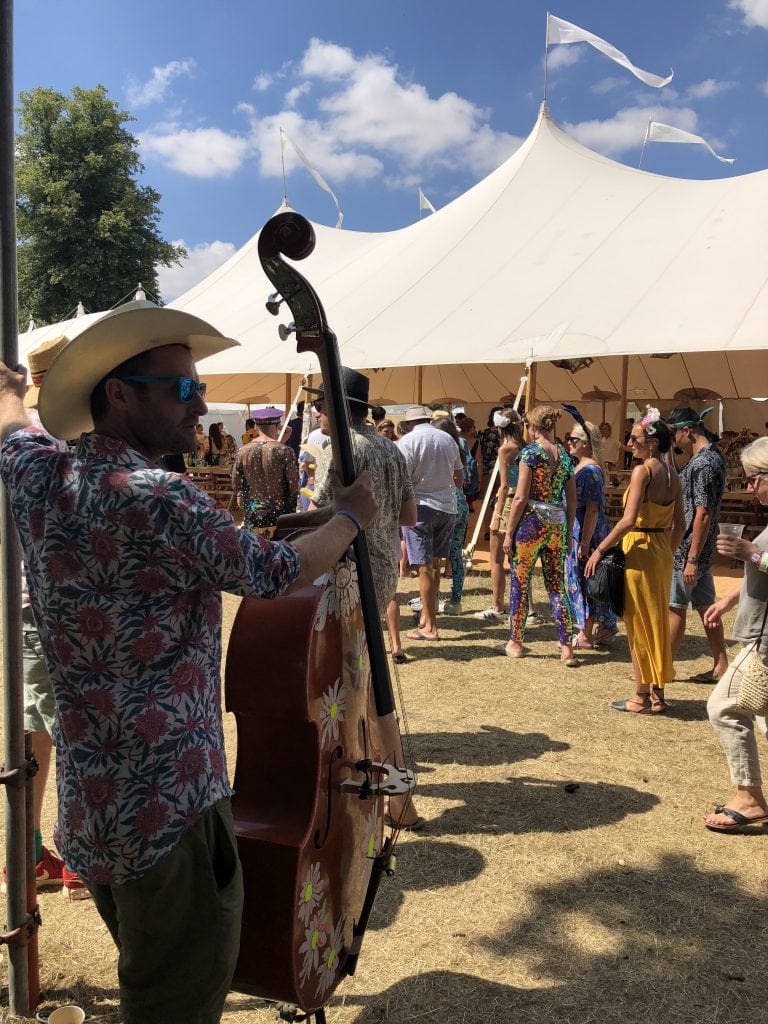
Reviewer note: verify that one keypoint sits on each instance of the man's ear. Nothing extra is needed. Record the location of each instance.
(116, 391)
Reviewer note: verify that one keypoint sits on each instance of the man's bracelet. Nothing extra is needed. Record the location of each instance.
(693, 559)
(350, 515)
(760, 560)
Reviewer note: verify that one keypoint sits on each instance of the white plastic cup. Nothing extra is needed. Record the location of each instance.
(67, 1015)
(730, 529)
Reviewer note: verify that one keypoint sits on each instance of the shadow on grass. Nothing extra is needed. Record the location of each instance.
(522, 805)
(668, 943)
(490, 746)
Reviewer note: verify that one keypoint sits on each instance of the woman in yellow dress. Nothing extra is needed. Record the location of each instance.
(650, 530)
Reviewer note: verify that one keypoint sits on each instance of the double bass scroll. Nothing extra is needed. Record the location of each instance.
(302, 674)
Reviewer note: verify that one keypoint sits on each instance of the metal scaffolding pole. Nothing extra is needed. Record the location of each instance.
(21, 930)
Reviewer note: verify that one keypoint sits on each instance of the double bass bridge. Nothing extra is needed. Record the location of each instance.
(379, 779)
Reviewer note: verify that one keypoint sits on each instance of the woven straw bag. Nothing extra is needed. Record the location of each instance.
(753, 687)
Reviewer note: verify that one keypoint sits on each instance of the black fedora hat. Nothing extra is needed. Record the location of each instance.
(355, 387)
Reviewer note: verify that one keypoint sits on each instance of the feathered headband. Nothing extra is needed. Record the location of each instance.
(573, 411)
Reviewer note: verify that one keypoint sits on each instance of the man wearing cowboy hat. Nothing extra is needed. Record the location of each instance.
(126, 564)
(395, 506)
(266, 474)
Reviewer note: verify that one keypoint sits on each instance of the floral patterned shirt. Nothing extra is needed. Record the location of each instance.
(125, 564)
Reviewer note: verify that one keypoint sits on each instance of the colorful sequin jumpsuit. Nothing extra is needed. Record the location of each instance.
(534, 538)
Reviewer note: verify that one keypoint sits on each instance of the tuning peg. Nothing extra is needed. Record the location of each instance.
(274, 302)
(286, 332)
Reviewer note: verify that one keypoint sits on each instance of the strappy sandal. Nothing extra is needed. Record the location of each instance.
(658, 705)
(580, 643)
(631, 704)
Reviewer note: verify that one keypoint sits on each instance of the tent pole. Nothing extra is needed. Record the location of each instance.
(23, 976)
(287, 401)
(624, 378)
(530, 389)
(419, 385)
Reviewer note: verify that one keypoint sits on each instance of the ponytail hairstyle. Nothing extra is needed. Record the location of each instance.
(510, 425)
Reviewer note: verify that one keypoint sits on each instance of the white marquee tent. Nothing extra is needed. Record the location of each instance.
(559, 253)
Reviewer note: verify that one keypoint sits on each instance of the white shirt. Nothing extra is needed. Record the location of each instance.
(432, 457)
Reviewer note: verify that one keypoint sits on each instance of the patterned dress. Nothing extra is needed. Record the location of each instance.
(590, 487)
(267, 475)
(534, 538)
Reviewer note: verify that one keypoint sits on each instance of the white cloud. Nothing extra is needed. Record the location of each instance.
(198, 152)
(263, 81)
(755, 12)
(354, 117)
(626, 129)
(708, 88)
(328, 60)
(334, 161)
(564, 56)
(201, 261)
(294, 95)
(606, 85)
(155, 89)
(764, 88)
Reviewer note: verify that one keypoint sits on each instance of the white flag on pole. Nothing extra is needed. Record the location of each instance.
(424, 203)
(658, 132)
(559, 31)
(284, 137)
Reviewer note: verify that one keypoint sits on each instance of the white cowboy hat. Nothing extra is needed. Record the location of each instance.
(65, 392)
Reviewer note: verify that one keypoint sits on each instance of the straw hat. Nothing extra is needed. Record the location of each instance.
(416, 413)
(39, 360)
(135, 327)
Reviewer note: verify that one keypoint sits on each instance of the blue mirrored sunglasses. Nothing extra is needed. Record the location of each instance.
(188, 386)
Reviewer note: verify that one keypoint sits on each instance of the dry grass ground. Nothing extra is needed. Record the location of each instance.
(525, 900)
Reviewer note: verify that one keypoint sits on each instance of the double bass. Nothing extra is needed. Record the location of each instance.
(306, 677)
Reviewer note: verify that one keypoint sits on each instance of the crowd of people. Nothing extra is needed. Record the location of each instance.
(126, 562)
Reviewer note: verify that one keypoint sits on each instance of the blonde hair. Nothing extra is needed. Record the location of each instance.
(544, 417)
(756, 455)
(593, 437)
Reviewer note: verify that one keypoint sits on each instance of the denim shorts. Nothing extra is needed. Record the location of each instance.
(430, 538)
(701, 595)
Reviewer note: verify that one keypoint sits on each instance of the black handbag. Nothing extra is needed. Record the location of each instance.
(607, 585)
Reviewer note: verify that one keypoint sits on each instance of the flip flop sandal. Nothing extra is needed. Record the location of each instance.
(739, 820)
(400, 658)
(418, 635)
(705, 678)
(415, 826)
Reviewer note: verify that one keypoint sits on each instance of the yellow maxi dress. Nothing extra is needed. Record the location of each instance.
(647, 578)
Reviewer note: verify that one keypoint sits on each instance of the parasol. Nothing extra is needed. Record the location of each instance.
(600, 395)
(697, 395)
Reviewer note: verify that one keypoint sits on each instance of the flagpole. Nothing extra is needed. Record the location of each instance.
(282, 161)
(645, 140)
(546, 51)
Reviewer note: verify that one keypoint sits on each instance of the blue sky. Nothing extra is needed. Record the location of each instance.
(386, 97)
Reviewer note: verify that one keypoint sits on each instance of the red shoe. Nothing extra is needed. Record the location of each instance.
(48, 872)
(74, 887)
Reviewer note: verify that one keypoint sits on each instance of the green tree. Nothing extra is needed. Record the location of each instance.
(87, 230)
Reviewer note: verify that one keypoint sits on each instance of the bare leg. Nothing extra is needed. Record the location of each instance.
(428, 592)
(393, 625)
(42, 746)
(498, 574)
(387, 739)
(716, 641)
(677, 620)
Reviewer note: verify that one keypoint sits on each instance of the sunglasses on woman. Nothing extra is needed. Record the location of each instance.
(751, 480)
(188, 386)
(571, 439)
